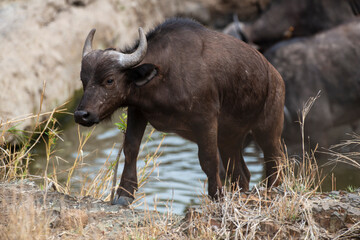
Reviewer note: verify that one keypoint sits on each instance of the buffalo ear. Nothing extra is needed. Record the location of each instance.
(143, 74)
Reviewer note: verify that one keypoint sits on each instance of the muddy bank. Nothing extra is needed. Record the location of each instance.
(334, 214)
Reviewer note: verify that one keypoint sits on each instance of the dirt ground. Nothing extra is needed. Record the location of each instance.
(64, 216)
(22, 203)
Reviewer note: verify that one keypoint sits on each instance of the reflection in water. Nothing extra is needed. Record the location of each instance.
(178, 181)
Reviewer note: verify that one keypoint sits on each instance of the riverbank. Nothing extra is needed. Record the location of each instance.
(31, 213)
(294, 210)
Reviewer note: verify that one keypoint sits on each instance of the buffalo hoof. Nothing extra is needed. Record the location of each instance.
(122, 201)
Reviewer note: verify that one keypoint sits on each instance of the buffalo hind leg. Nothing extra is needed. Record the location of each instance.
(270, 142)
(235, 166)
(222, 170)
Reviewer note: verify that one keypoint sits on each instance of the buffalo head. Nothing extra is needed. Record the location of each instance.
(107, 77)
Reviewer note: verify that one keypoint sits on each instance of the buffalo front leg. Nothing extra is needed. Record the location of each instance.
(209, 158)
(136, 124)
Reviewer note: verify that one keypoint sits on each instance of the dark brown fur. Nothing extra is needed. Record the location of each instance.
(327, 62)
(203, 85)
(293, 18)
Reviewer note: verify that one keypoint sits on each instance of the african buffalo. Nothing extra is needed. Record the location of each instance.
(294, 18)
(328, 62)
(205, 86)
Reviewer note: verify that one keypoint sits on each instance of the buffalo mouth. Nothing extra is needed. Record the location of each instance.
(85, 118)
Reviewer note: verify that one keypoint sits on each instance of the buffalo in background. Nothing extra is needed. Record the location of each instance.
(328, 62)
(293, 18)
(315, 45)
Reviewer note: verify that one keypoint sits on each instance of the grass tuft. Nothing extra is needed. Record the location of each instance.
(23, 219)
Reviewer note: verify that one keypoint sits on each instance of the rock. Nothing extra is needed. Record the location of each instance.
(338, 211)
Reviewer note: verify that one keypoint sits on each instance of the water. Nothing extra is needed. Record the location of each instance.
(178, 181)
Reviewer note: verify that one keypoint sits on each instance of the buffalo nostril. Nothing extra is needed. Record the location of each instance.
(82, 115)
(85, 118)
(85, 115)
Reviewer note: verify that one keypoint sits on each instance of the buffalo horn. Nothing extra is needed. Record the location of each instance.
(132, 59)
(88, 42)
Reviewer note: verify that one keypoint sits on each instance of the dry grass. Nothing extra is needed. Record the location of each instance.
(350, 156)
(15, 159)
(283, 213)
(22, 218)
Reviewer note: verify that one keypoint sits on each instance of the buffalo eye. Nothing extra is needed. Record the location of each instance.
(109, 81)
